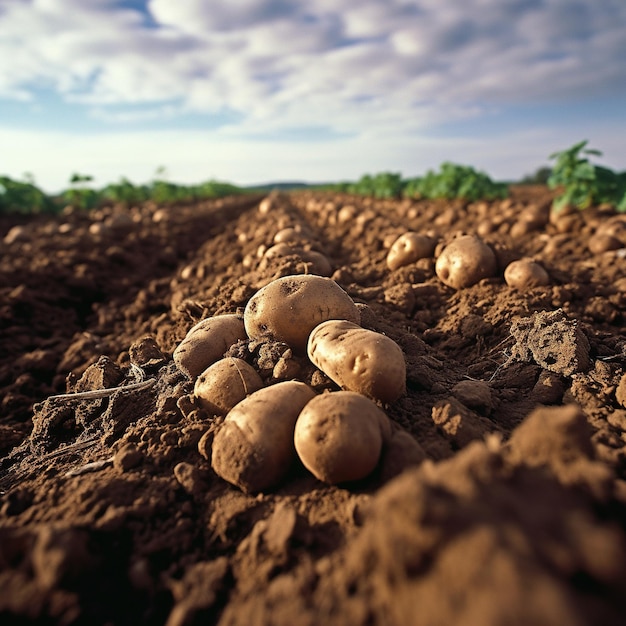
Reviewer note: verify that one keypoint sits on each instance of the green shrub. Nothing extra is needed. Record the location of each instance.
(19, 197)
(455, 181)
(583, 184)
(126, 193)
(381, 185)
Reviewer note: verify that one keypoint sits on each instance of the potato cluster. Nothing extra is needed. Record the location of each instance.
(460, 263)
(339, 436)
(297, 243)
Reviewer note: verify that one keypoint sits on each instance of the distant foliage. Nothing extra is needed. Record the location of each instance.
(452, 181)
(23, 197)
(583, 184)
(382, 185)
(162, 191)
(80, 196)
(126, 193)
(455, 181)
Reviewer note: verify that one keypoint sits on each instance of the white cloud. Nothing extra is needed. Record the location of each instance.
(108, 55)
(382, 69)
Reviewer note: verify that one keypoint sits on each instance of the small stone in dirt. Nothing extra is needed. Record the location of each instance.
(103, 374)
(189, 477)
(620, 392)
(458, 423)
(552, 341)
(127, 458)
(475, 394)
(145, 353)
(617, 419)
(186, 404)
(205, 444)
(548, 389)
(286, 368)
(400, 451)
(269, 354)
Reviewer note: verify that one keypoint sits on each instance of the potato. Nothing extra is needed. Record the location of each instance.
(339, 436)
(224, 384)
(358, 359)
(289, 308)
(525, 274)
(207, 342)
(601, 242)
(465, 261)
(292, 235)
(254, 447)
(409, 248)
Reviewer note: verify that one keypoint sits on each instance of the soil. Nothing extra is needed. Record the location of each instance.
(514, 512)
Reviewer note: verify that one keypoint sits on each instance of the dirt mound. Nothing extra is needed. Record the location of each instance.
(513, 513)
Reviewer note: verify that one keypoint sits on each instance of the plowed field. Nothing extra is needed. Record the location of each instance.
(512, 511)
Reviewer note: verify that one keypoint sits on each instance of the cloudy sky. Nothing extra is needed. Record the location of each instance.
(254, 91)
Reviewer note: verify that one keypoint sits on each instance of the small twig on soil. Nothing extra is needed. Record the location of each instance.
(613, 357)
(138, 374)
(499, 345)
(498, 369)
(72, 447)
(103, 393)
(94, 466)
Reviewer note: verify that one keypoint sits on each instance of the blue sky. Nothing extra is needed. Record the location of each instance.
(253, 91)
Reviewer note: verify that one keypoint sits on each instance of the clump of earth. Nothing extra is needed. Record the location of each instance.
(110, 511)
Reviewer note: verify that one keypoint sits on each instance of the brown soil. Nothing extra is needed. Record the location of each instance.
(109, 514)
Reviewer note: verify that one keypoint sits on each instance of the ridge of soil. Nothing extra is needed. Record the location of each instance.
(110, 514)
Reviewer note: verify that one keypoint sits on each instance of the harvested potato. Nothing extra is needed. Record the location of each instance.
(465, 261)
(224, 384)
(207, 342)
(409, 248)
(525, 274)
(339, 436)
(289, 308)
(254, 447)
(292, 235)
(358, 359)
(601, 242)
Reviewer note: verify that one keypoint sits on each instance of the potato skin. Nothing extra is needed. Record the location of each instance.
(254, 447)
(465, 261)
(289, 308)
(338, 436)
(408, 248)
(224, 384)
(358, 359)
(525, 274)
(206, 343)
